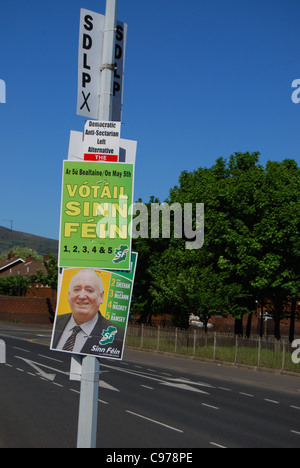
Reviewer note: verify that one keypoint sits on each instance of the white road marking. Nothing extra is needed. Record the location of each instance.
(177, 383)
(21, 349)
(182, 386)
(40, 372)
(271, 401)
(210, 406)
(52, 359)
(190, 382)
(217, 445)
(107, 386)
(154, 421)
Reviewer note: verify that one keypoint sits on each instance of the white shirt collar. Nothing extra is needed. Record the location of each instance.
(86, 327)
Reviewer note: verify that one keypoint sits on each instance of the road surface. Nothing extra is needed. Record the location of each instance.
(146, 401)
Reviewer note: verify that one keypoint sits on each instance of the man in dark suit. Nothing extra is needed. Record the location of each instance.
(85, 330)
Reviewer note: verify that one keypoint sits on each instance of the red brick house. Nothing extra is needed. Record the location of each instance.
(29, 267)
(38, 306)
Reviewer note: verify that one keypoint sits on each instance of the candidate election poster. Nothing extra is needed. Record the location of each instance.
(92, 311)
(95, 216)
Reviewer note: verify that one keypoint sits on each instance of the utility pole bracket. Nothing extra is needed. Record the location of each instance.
(108, 66)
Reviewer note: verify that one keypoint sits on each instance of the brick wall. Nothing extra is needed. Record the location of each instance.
(38, 291)
(27, 309)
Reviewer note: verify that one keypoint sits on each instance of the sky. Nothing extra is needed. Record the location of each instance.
(203, 79)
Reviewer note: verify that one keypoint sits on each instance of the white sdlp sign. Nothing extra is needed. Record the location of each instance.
(90, 62)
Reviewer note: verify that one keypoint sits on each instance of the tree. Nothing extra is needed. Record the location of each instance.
(50, 278)
(15, 285)
(251, 239)
(277, 270)
(150, 251)
(227, 193)
(185, 288)
(23, 252)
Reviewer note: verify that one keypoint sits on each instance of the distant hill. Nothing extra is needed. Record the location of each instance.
(42, 245)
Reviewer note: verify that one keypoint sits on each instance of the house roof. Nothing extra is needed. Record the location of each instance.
(6, 264)
(18, 266)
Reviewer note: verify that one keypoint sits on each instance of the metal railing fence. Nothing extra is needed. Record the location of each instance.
(255, 351)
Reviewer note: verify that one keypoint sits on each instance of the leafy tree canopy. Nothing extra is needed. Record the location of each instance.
(251, 249)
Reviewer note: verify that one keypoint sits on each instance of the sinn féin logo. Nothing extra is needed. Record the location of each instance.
(108, 336)
(121, 254)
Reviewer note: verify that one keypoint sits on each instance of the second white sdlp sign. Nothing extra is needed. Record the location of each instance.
(90, 62)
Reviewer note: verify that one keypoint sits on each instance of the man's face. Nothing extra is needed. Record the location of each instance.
(85, 296)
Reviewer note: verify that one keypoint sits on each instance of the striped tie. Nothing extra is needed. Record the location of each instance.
(69, 344)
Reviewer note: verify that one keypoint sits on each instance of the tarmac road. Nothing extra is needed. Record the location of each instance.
(145, 401)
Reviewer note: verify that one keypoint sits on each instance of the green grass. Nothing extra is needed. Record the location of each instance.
(269, 358)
